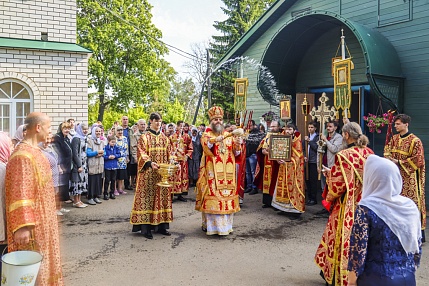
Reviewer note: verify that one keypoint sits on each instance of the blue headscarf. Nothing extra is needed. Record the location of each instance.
(79, 132)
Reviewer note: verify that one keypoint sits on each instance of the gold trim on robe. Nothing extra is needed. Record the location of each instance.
(30, 201)
(216, 186)
(409, 152)
(344, 183)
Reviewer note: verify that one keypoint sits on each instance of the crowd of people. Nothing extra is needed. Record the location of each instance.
(223, 163)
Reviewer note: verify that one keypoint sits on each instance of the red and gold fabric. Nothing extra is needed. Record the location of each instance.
(216, 185)
(410, 154)
(344, 191)
(266, 170)
(30, 201)
(241, 171)
(182, 148)
(152, 204)
(290, 188)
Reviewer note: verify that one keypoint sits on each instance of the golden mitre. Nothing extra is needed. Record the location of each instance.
(215, 112)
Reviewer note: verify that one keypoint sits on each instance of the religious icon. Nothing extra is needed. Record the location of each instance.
(240, 96)
(280, 147)
(240, 89)
(341, 76)
(285, 109)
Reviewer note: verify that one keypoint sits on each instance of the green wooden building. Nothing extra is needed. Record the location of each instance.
(387, 39)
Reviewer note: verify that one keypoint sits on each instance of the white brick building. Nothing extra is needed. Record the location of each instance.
(49, 75)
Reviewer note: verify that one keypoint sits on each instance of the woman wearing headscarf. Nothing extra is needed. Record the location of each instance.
(19, 135)
(5, 151)
(52, 157)
(62, 147)
(79, 176)
(121, 175)
(95, 153)
(385, 244)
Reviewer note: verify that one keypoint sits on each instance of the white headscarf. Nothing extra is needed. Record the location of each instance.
(382, 185)
(93, 136)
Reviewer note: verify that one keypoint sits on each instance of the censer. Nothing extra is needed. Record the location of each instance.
(166, 171)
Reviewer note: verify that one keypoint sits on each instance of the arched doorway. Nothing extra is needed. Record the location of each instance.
(299, 56)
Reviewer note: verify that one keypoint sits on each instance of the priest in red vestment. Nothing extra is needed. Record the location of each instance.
(266, 170)
(343, 191)
(30, 201)
(289, 194)
(152, 206)
(406, 150)
(182, 148)
(217, 197)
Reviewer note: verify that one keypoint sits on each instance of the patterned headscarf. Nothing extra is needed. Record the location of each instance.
(5, 147)
(79, 132)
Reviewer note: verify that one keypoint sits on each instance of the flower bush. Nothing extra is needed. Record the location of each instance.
(269, 116)
(375, 123)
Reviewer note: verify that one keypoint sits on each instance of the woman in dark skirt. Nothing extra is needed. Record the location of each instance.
(95, 153)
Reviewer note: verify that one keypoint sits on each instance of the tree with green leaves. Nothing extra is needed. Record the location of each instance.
(242, 14)
(125, 67)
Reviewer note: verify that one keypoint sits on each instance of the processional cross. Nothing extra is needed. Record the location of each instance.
(323, 114)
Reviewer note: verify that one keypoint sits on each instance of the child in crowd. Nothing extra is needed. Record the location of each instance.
(111, 155)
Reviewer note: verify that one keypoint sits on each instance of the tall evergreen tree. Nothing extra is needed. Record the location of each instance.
(242, 14)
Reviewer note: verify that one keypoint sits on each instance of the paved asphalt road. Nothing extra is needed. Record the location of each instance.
(98, 248)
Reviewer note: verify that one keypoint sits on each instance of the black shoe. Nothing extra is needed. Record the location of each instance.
(204, 229)
(129, 188)
(164, 232)
(265, 206)
(182, 199)
(253, 192)
(148, 235)
(322, 212)
(106, 197)
(112, 196)
(247, 191)
(311, 203)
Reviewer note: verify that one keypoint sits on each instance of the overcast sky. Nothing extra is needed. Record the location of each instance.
(184, 22)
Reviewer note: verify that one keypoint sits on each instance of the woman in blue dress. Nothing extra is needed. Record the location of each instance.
(385, 245)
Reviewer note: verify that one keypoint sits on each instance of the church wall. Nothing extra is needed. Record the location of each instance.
(61, 80)
(256, 51)
(315, 68)
(410, 39)
(28, 19)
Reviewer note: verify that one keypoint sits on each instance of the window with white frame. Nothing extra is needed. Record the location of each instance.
(16, 102)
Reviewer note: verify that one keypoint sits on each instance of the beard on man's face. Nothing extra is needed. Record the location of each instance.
(217, 128)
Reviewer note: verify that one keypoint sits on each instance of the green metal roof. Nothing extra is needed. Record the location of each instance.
(261, 25)
(42, 45)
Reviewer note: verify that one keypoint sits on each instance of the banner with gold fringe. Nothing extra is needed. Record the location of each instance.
(240, 95)
(342, 83)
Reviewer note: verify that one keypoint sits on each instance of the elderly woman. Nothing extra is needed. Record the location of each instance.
(121, 172)
(95, 153)
(62, 147)
(5, 150)
(79, 177)
(19, 135)
(385, 244)
(53, 159)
